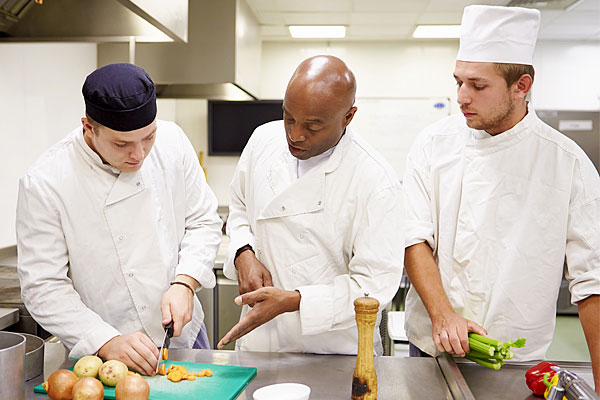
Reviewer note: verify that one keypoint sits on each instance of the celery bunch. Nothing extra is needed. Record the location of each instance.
(489, 352)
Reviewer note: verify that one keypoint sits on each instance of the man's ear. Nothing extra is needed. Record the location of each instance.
(349, 115)
(523, 86)
(87, 127)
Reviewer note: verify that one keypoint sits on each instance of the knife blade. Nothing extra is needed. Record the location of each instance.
(165, 343)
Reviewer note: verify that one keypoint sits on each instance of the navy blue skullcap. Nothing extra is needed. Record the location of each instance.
(121, 97)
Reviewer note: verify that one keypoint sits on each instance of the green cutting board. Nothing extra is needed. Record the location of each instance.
(227, 382)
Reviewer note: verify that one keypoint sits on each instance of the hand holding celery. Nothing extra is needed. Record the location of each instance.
(491, 353)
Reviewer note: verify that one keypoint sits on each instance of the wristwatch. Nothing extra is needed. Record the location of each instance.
(241, 250)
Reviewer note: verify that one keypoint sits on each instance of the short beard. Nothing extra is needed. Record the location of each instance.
(499, 117)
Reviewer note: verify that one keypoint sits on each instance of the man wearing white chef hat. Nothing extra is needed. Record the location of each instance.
(496, 200)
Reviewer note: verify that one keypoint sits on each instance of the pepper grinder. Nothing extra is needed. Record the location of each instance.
(364, 381)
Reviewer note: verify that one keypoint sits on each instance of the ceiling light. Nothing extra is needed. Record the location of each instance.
(317, 31)
(437, 32)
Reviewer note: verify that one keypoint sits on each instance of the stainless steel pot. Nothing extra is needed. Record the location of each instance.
(12, 371)
(34, 356)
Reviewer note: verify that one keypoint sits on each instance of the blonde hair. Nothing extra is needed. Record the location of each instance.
(512, 72)
(95, 125)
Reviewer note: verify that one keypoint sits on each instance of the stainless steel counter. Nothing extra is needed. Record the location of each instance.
(8, 316)
(330, 377)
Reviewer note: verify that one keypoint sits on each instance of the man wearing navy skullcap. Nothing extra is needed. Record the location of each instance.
(117, 228)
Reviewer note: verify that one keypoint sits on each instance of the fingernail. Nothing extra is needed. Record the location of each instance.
(238, 300)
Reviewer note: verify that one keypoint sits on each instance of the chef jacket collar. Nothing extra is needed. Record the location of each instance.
(483, 142)
(94, 157)
(303, 166)
(336, 158)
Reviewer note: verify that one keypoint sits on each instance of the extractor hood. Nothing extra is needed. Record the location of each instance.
(212, 53)
(93, 20)
(220, 61)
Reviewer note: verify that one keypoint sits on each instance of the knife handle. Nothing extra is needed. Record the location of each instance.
(169, 329)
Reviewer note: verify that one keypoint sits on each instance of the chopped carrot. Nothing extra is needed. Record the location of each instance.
(182, 369)
(175, 376)
(190, 377)
(205, 372)
(161, 369)
(165, 353)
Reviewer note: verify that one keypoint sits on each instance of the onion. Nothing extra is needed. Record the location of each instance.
(88, 389)
(60, 384)
(132, 387)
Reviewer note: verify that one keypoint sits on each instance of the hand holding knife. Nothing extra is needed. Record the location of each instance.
(165, 344)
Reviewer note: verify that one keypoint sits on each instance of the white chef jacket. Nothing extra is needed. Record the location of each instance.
(97, 248)
(500, 213)
(332, 234)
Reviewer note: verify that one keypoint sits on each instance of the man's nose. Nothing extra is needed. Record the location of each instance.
(295, 134)
(138, 152)
(464, 96)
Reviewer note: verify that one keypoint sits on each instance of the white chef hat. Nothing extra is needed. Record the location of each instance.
(498, 34)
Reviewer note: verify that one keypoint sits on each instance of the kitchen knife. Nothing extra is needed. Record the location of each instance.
(165, 343)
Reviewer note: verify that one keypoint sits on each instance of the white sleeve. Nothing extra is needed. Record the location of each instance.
(583, 236)
(43, 265)
(375, 267)
(198, 248)
(419, 223)
(238, 222)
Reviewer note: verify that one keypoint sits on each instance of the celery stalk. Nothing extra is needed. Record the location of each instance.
(485, 356)
(481, 347)
(484, 339)
(493, 365)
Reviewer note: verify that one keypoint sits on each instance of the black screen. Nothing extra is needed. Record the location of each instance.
(231, 123)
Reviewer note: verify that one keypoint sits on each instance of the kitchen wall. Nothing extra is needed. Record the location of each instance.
(567, 76)
(41, 93)
(191, 115)
(40, 103)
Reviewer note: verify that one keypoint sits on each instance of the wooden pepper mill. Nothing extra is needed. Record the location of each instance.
(364, 381)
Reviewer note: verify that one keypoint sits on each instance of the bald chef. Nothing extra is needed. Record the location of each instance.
(315, 221)
(117, 228)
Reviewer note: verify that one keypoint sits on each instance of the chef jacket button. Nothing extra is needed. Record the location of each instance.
(138, 184)
(259, 252)
(130, 275)
(282, 208)
(293, 271)
(143, 307)
(301, 236)
(121, 237)
(319, 203)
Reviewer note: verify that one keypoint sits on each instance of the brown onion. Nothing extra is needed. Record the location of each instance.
(88, 389)
(132, 387)
(60, 384)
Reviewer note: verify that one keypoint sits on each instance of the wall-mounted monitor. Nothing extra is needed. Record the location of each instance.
(231, 123)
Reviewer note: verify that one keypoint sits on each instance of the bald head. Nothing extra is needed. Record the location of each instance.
(318, 105)
(325, 76)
